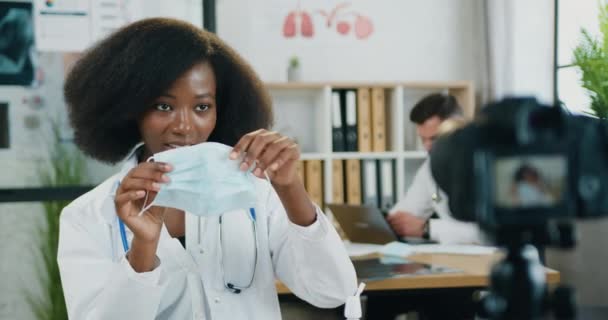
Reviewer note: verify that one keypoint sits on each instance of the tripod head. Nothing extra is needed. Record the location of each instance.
(518, 286)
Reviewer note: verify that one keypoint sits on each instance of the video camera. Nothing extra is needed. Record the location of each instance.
(524, 172)
(521, 163)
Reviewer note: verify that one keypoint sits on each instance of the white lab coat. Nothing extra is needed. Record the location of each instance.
(419, 202)
(99, 282)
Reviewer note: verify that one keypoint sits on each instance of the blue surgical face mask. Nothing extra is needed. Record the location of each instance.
(204, 181)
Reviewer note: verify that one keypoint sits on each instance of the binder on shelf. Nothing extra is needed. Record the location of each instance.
(337, 177)
(386, 184)
(353, 182)
(337, 129)
(410, 136)
(350, 100)
(300, 170)
(364, 120)
(369, 182)
(378, 120)
(314, 181)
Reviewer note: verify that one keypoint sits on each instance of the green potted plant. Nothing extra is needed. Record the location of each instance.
(65, 167)
(293, 71)
(591, 56)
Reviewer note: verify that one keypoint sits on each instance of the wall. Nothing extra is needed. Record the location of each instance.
(522, 42)
(412, 40)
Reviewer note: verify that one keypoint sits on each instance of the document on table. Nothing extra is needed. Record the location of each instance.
(356, 249)
(466, 249)
(401, 249)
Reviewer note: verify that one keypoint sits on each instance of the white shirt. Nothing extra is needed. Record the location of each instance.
(423, 198)
(99, 282)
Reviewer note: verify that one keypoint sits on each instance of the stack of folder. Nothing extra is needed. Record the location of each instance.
(311, 174)
(353, 181)
(359, 124)
(359, 120)
(367, 181)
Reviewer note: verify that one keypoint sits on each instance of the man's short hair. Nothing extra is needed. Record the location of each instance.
(437, 104)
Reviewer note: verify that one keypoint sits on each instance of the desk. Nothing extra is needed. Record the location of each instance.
(421, 292)
(475, 271)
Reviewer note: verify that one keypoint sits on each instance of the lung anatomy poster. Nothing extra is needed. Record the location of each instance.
(329, 39)
(344, 19)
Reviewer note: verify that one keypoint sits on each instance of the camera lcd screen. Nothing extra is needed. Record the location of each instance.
(529, 181)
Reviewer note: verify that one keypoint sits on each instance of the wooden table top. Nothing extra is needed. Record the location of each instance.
(475, 271)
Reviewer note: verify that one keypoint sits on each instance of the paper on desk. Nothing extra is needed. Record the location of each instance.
(355, 249)
(396, 249)
(467, 249)
(400, 249)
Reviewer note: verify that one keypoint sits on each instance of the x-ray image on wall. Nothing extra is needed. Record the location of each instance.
(16, 43)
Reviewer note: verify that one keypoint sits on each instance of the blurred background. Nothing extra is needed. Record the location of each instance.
(504, 47)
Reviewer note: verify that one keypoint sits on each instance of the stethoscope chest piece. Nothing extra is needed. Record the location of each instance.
(436, 197)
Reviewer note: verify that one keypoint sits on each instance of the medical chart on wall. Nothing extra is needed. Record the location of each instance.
(73, 25)
(109, 15)
(62, 25)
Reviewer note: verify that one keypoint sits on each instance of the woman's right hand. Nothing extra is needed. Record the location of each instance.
(130, 195)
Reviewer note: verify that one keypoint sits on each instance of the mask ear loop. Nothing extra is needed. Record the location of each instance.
(250, 170)
(148, 206)
(269, 189)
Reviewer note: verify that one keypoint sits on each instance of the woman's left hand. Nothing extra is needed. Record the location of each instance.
(271, 152)
(278, 156)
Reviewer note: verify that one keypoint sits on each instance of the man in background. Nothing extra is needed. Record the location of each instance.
(411, 216)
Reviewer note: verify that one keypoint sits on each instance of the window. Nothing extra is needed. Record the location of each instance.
(572, 16)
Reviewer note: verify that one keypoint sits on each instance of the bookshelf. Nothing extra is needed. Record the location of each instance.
(303, 111)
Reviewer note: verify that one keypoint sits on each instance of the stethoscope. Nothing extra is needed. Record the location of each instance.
(230, 285)
(436, 196)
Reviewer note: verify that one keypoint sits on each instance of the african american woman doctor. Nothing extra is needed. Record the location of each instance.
(159, 86)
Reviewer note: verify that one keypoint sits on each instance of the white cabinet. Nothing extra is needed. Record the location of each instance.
(303, 112)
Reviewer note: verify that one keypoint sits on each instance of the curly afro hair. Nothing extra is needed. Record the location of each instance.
(116, 80)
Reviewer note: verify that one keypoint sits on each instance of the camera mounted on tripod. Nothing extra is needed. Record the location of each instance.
(524, 172)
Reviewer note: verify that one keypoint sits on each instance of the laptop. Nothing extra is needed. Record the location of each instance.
(366, 224)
